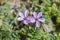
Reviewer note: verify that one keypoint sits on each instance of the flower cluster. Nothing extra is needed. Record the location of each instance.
(36, 18)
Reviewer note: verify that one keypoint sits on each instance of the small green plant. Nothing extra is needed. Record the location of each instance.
(34, 20)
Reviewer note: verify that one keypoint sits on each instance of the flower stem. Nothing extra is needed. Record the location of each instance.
(27, 32)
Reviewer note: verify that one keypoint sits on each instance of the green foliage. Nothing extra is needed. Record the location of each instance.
(11, 29)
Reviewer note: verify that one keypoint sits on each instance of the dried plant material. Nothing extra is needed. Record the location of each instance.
(3, 17)
(48, 28)
(14, 3)
(24, 0)
(12, 11)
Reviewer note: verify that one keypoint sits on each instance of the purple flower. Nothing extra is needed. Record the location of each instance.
(37, 18)
(24, 17)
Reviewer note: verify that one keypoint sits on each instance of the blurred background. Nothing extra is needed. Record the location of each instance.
(11, 29)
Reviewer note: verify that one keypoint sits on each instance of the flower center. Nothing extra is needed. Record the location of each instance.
(25, 18)
(36, 19)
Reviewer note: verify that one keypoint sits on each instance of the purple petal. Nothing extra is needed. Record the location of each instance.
(28, 18)
(21, 14)
(26, 22)
(26, 13)
(20, 19)
(39, 14)
(42, 19)
(37, 24)
(35, 14)
(32, 20)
